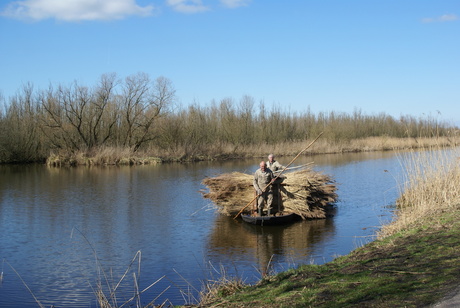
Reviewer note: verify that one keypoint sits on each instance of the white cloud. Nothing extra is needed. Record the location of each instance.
(235, 3)
(443, 18)
(448, 17)
(187, 6)
(75, 10)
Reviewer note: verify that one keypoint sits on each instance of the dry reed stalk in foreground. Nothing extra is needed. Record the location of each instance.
(431, 186)
(217, 288)
(305, 192)
(106, 293)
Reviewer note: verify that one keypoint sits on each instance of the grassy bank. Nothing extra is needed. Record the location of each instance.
(414, 262)
(153, 155)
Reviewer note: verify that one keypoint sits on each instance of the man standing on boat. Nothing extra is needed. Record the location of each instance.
(276, 168)
(274, 165)
(262, 178)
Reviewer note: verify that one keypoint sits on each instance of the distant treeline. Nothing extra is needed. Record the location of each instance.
(138, 114)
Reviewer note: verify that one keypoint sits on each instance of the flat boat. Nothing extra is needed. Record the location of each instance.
(269, 220)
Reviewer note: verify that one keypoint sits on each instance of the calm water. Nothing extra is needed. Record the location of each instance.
(63, 229)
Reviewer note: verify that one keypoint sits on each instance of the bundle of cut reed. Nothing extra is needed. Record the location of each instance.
(307, 193)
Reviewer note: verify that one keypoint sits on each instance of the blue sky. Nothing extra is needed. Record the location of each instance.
(398, 57)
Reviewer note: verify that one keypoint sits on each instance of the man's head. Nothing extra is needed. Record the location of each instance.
(262, 165)
(271, 158)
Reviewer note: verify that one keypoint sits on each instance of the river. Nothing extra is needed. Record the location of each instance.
(63, 230)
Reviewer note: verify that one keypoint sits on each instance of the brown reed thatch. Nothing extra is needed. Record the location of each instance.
(307, 193)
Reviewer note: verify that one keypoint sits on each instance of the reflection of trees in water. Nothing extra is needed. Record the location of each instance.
(294, 241)
(341, 159)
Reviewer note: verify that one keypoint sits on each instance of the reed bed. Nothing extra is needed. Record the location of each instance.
(221, 151)
(102, 156)
(307, 193)
(430, 188)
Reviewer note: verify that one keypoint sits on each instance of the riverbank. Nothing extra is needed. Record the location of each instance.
(124, 156)
(415, 261)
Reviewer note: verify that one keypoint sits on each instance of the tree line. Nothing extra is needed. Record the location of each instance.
(141, 114)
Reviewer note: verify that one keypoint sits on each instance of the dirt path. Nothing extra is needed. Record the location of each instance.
(450, 301)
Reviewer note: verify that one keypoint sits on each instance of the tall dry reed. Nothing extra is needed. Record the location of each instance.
(431, 187)
(291, 148)
(216, 287)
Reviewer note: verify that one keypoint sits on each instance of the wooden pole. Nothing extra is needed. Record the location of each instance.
(311, 143)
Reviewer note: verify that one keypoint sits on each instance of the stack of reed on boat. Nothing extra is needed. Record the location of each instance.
(307, 193)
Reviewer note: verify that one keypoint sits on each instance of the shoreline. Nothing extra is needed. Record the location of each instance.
(121, 156)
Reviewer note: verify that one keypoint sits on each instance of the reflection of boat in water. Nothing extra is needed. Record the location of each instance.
(269, 220)
(230, 235)
(293, 243)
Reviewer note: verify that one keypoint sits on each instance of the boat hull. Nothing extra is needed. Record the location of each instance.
(269, 220)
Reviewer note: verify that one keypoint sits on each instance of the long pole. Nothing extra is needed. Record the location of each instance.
(311, 143)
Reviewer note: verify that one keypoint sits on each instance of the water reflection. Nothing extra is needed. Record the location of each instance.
(266, 244)
(336, 160)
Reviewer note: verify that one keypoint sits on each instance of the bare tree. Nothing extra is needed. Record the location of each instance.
(20, 140)
(52, 121)
(104, 111)
(143, 102)
(78, 117)
(246, 132)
